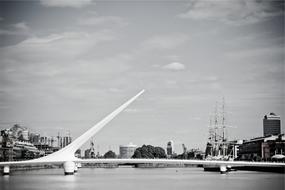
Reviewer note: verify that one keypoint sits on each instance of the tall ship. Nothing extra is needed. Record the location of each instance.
(217, 146)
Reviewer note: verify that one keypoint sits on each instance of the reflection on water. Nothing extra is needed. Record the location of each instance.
(141, 179)
(6, 178)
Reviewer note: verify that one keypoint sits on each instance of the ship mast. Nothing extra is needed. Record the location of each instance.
(216, 125)
(224, 138)
(223, 119)
(217, 144)
(211, 136)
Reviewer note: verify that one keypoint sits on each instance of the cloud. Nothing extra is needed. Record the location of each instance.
(94, 20)
(60, 65)
(165, 41)
(268, 52)
(58, 49)
(114, 90)
(66, 3)
(20, 28)
(46, 39)
(235, 12)
(175, 66)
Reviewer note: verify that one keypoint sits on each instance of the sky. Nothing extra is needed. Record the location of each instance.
(66, 64)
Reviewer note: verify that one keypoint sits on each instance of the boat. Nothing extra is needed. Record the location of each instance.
(217, 145)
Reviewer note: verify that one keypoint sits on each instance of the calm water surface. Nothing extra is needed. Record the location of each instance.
(141, 179)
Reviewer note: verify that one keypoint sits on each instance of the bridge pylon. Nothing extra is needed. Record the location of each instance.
(6, 170)
(223, 169)
(68, 167)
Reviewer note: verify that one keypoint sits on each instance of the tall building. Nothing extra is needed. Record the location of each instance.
(271, 124)
(127, 151)
(64, 141)
(170, 148)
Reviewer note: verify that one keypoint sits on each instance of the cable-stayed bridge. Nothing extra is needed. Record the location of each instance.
(66, 156)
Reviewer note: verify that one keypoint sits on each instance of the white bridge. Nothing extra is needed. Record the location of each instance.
(66, 156)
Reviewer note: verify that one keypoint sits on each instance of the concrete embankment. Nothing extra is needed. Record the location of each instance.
(93, 165)
(148, 165)
(262, 169)
(23, 168)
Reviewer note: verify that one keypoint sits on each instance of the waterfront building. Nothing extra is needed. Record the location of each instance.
(195, 153)
(24, 150)
(54, 142)
(65, 141)
(25, 135)
(262, 148)
(170, 148)
(90, 153)
(271, 124)
(233, 148)
(34, 138)
(62, 141)
(127, 151)
(46, 144)
(78, 153)
(18, 143)
(43, 140)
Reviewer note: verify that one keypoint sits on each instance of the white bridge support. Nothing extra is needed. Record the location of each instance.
(69, 168)
(6, 170)
(75, 167)
(223, 169)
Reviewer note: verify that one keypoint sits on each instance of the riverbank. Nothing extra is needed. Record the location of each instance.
(25, 168)
(261, 169)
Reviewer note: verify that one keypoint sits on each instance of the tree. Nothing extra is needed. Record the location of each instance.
(148, 151)
(110, 154)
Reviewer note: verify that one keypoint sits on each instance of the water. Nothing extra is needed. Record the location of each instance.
(141, 179)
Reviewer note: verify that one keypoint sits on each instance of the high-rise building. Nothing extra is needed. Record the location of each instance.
(65, 141)
(170, 148)
(271, 124)
(127, 151)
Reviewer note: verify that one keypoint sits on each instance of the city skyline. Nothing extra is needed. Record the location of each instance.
(65, 65)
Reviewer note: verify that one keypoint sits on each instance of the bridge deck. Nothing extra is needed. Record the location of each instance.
(148, 161)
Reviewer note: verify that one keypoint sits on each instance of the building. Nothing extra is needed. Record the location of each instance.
(90, 153)
(24, 150)
(127, 151)
(262, 148)
(34, 138)
(25, 135)
(271, 124)
(54, 142)
(64, 141)
(78, 153)
(18, 143)
(233, 148)
(170, 148)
